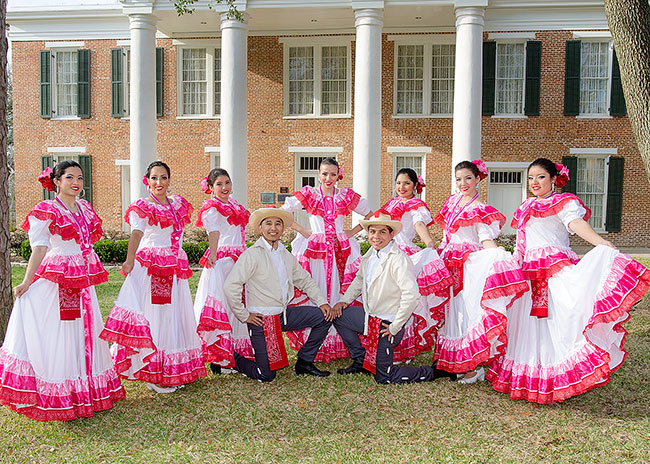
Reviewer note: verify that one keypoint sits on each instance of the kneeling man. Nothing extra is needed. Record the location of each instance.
(269, 273)
(387, 281)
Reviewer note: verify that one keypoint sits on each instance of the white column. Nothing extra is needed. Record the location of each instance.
(234, 104)
(367, 104)
(142, 116)
(466, 144)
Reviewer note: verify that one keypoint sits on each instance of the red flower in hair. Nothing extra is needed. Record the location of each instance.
(204, 185)
(45, 178)
(340, 173)
(482, 168)
(562, 175)
(421, 184)
(145, 180)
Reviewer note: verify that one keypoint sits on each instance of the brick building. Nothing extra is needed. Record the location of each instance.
(378, 84)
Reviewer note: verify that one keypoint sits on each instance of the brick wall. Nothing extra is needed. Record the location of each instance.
(181, 142)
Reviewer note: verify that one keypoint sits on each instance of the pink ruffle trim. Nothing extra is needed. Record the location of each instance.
(160, 215)
(345, 201)
(479, 213)
(235, 213)
(547, 207)
(72, 271)
(232, 252)
(62, 224)
(397, 208)
(26, 394)
(505, 280)
(163, 261)
(418, 338)
(215, 319)
(127, 328)
(544, 262)
(317, 246)
(332, 348)
(434, 278)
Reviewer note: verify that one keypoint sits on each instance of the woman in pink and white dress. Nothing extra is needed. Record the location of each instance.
(484, 285)
(53, 366)
(328, 252)
(433, 277)
(565, 336)
(225, 221)
(152, 322)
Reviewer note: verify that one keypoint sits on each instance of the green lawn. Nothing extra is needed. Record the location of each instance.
(349, 419)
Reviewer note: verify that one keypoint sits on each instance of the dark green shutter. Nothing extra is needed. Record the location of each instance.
(117, 83)
(86, 167)
(533, 75)
(47, 161)
(572, 78)
(159, 80)
(46, 84)
(571, 162)
(489, 81)
(83, 83)
(617, 99)
(614, 195)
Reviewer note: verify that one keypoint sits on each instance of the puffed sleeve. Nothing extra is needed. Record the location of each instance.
(362, 207)
(213, 221)
(291, 204)
(137, 222)
(39, 232)
(572, 210)
(487, 232)
(421, 215)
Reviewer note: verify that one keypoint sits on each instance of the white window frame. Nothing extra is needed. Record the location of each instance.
(125, 189)
(603, 154)
(317, 44)
(125, 46)
(214, 153)
(414, 152)
(496, 92)
(428, 41)
(608, 91)
(54, 48)
(65, 153)
(209, 46)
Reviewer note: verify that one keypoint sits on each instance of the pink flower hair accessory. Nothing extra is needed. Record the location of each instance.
(562, 175)
(45, 178)
(204, 185)
(340, 173)
(145, 180)
(482, 168)
(421, 185)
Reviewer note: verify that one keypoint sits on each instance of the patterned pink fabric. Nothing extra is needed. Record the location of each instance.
(72, 271)
(161, 216)
(544, 262)
(545, 207)
(127, 328)
(397, 208)
(235, 213)
(434, 278)
(25, 393)
(213, 317)
(62, 224)
(345, 201)
(478, 213)
(165, 369)
(232, 252)
(164, 262)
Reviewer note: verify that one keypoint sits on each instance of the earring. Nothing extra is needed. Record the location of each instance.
(554, 186)
(83, 193)
(169, 189)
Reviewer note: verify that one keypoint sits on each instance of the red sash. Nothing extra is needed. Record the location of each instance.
(69, 303)
(540, 298)
(370, 343)
(277, 352)
(161, 289)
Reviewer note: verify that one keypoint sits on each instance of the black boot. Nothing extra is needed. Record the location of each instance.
(354, 368)
(306, 367)
(439, 373)
(215, 368)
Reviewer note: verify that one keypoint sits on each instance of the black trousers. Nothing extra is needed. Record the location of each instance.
(350, 325)
(298, 317)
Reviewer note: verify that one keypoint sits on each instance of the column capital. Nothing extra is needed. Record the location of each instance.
(470, 15)
(142, 21)
(231, 23)
(470, 4)
(130, 7)
(369, 17)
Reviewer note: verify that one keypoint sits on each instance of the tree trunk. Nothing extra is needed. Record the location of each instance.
(629, 23)
(6, 300)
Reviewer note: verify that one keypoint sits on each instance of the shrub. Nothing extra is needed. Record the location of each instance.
(16, 239)
(203, 245)
(119, 250)
(364, 247)
(193, 252)
(105, 250)
(25, 249)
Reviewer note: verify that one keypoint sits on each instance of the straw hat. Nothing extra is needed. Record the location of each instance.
(380, 218)
(259, 215)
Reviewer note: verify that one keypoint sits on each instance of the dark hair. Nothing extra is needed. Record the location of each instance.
(215, 173)
(467, 165)
(61, 167)
(409, 172)
(546, 164)
(155, 164)
(329, 161)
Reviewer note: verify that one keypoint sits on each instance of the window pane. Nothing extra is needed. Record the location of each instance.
(301, 80)
(217, 81)
(594, 77)
(442, 79)
(410, 79)
(334, 73)
(194, 81)
(510, 70)
(66, 83)
(413, 162)
(590, 187)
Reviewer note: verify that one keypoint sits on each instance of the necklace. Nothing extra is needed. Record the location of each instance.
(81, 222)
(171, 208)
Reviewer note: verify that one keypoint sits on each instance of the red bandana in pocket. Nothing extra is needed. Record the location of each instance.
(161, 289)
(69, 303)
(277, 353)
(370, 343)
(540, 298)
